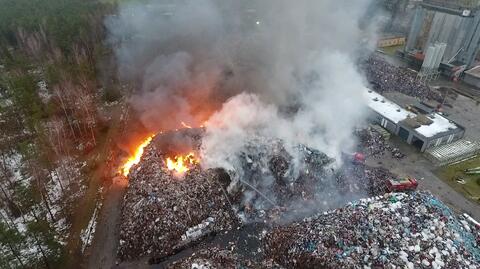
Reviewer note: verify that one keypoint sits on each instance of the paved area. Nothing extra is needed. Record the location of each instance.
(459, 108)
(415, 165)
(463, 110)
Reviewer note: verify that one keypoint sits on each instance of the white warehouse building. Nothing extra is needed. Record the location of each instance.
(423, 131)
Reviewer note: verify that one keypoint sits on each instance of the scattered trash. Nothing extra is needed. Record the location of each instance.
(412, 230)
(385, 77)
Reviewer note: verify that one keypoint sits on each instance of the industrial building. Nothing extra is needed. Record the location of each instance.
(423, 129)
(472, 77)
(451, 27)
(390, 41)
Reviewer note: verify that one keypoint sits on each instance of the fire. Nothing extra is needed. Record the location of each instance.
(186, 125)
(181, 164)
(135, 158)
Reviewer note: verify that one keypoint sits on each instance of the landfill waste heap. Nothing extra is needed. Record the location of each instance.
(163, 214)
(396, 230)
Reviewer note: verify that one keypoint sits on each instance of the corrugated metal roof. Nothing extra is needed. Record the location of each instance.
(453, 152)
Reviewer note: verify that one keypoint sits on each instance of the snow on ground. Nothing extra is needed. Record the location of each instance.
(62, 184)
(43, 91)
(13, 165)
(86, 235)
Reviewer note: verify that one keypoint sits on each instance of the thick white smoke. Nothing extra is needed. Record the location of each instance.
(310, 65)
(265, 70)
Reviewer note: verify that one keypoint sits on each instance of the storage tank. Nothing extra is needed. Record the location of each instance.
(441, 47)
(428, 61)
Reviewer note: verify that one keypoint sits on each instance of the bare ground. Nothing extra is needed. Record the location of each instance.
(104, 247)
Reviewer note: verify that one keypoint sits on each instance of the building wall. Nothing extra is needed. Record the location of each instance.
(384, 122)
(390, 42)
(428, 142)
(445, 139)
(449, 29)
(472, 80)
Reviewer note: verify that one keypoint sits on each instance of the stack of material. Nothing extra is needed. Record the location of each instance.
(385, 77)
(373, 144)
(211, 258)
(160, 208)
(391, 231)
(379, 129)
(163, 214)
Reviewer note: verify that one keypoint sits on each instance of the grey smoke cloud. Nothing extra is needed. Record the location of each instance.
(276, 69)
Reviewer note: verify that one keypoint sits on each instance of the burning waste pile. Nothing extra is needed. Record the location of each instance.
(171, 205)
(391, 231)
(170, 202)
(279, 112)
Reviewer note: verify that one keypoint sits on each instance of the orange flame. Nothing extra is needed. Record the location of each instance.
(181, 164)
(135, 158)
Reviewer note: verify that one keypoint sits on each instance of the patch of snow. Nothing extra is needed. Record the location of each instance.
(43, 92)
(440, 124)
(385, 107)
(86, 235)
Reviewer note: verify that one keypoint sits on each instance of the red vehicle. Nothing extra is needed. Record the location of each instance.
(358, 158)
(355, 158)
(402, 184)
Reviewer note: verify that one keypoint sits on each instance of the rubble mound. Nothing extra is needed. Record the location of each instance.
(268, 181)
(373, 144)
(219, 258)
(385, 77)
(363, 179)
(163, 213)
(397, 230)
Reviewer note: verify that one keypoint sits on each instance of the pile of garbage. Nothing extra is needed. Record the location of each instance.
(162, 213)
(385, 77)
(373, 144)
(363, 180)
(210, 258)
(395, 230)
(268, 179)
(214, 257)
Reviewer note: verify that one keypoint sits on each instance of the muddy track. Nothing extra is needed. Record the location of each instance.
(102, 253)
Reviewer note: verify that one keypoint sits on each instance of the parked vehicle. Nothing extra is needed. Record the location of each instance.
(402, 184)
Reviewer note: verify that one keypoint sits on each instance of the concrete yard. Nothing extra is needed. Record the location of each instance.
(465, 112)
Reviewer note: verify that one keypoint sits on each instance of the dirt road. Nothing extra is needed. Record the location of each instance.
(104, 247)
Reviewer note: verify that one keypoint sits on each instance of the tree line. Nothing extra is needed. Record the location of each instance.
(51, 98)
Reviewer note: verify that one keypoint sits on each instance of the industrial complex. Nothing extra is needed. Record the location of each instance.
(445, 31)
(423, 128)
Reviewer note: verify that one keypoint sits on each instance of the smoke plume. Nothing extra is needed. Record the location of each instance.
(273, 69)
